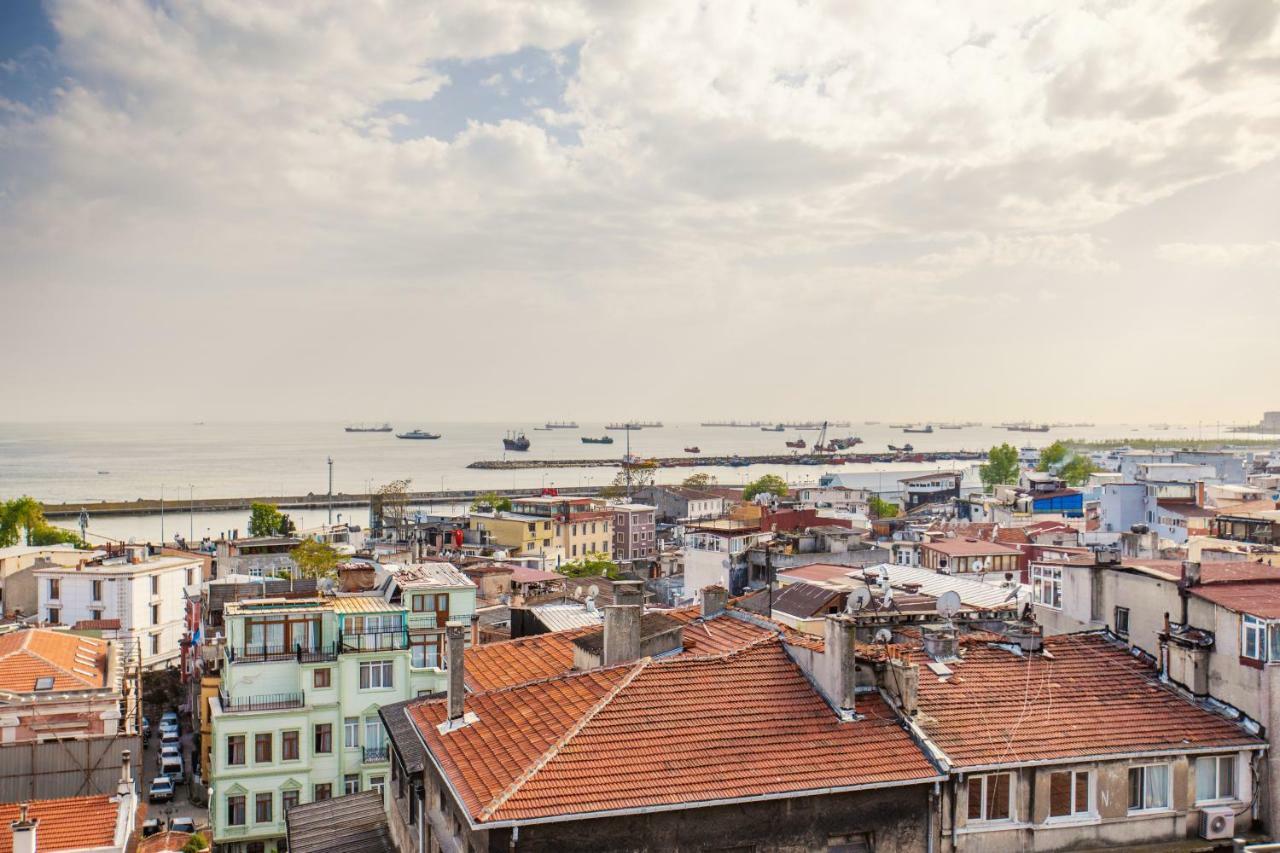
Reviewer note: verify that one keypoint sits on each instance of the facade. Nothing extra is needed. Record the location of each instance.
(519, 535)
(581, 526)
(635, 535)
(833, 497)
(54, 684)
(716, 554)
(18, 594)
(257, 556)
(938, 487)
(146, 593)
(676, 503)
(966, 555)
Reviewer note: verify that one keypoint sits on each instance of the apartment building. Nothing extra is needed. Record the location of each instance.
(18, 594)
(144, 592)
(635, 532)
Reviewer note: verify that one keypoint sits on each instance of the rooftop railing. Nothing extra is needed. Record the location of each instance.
(267, 702)
(387, 639)
(260, 653)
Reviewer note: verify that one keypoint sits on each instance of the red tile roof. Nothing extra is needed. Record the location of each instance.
(663, 733)
(1086, 697)
(1256, 598)
(817, 572)
(1214, 571)
(164, 842)
(1012, 536)
(968, 548)
(74, 662)
(73, 823)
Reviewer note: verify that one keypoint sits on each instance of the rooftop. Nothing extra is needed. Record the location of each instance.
(1085, 697)
(432, 574)
(71, 823)
(363, 603)
(651, 624)
(920, 478)
(68, 661)
(968, 548)
(561, 617)
(355, 823)
(663, 733)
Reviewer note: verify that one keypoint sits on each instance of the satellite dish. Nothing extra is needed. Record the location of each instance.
(593, 591)
(577, 591)
(948, 604)
(884, 635)
(858, 600)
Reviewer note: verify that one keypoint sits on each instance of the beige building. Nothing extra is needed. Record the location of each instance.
(18, 593)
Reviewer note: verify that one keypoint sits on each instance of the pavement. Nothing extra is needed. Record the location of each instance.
(181, 805)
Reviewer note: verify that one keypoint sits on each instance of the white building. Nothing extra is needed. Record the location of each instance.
(832, 497)
(144, 593)
(715, 552)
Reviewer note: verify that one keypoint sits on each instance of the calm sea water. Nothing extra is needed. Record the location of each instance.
(116, 461)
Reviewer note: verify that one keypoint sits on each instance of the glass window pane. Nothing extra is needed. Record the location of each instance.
(1156, 790)
(998, 796)
(1206, 789)
(975, 798)
(1059, 794)
(1227, 776)
(1135, 787)
(1082, 793)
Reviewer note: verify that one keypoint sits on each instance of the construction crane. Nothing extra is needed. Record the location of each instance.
(820, 444)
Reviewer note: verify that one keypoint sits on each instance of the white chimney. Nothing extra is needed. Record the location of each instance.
(24, 831)
(457, 715)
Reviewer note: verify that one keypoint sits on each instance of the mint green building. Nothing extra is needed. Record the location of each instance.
(296, 715)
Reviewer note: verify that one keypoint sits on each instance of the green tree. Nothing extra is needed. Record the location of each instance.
(700, 480)
(22, 521)
(1053, 456)
(315, 559)
(770, 483)
(266, 520)
(195, 844)
(1078, 470)
(1002, 467)
(491, 501)
(881, 508)
(637, 476)
(591, 566)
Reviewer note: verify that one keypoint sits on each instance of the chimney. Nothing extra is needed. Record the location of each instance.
(24, 831)
(621, 633)
(1190, 574)
(125, 786)
(714, 599)
(940, 644)
(903, 679)
(453, 632)
(841, 665)
(628, 593)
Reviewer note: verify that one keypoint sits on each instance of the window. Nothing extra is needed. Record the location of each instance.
(377, 783)
(53, 588)
(419, 604)
(323, 739)
(190, 577)
(990, 797)
(322, 792)
(1148, 787)
(155, 644)
(1122, 621)
(351, 783)
(262, 807)
(262, 748)
(155, 614)
(1046, 586)
(235, 749)
(351, 733)
(289, 745)
(97, 590)
(52, 616)
(322, 677)
(1253, 637)
(95, 615)
(288, 799)
(1069, 793)
(235, 810)
(1215, 778)
(155, 584)
(426, 650)
(376, 675)
(373, 734)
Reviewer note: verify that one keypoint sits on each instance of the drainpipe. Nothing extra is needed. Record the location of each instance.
(515, 838)
(1164, 651)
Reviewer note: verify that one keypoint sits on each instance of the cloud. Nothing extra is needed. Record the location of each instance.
(1221, 255)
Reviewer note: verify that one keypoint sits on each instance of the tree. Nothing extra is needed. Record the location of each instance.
(769, 483)
(391, 506)
(637, 476)
(700, 480)
(591, 566)
(195, 844)
(1002, 467)
(315, 559)
(1078, 470)
(1053, 456)
(22, 521)
(267, 520)
(881, 508)
(491, 501)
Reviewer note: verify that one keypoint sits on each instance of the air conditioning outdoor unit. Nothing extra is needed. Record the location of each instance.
(1218, 822)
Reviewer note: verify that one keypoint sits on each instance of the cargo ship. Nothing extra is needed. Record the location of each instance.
(926, 429)
(560, 425)
(604, 439)
(384, 427)
(515, 441)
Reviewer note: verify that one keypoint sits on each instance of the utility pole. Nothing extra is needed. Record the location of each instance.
(330, 491)
(191, 518)
(627, 460)
(162, 513)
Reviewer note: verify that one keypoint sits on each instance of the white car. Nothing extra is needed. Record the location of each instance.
(183, 824)
(161, 790)
(168, 751)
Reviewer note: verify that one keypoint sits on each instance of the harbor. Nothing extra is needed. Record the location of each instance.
(734, 461)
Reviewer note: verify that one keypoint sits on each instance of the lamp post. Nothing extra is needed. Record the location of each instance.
(330, 460)
(191, 517)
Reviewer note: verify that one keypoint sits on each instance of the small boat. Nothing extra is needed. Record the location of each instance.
(104, 472)
(515, 440)
(775, 428)
(418, 434)
(927, 428)
(798, 444)
(384, 427)
(604, 439)
(906, 448)
(693, 450)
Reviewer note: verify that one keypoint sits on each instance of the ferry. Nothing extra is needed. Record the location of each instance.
(419, 434)
(384, 427)
(515, 441)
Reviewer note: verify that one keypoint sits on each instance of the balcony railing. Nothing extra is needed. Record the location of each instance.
(268, 702)
(258, 653)
(376, 754)
(391, 639)
(427, 619)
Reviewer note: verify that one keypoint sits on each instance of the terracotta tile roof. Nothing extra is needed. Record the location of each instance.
(1091, 697)
(968, 548)
(164, 842)
(664, 732)
(72, 823)
(1212, 571)
(1188, 510)
(1257, 598)
(74, 662)
(97, 625)
(1012, 536)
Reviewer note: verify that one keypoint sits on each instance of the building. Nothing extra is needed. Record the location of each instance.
(295, 718)
(581, 526)
(356, 823)
(677, 503)
(92, 824)
(834, 497)
(635, 533)
(257, 556)
(967, 555)
(938, 487)
(519, 535)
(715, 554)
(146, 593)
(18, 594)
(54, 685)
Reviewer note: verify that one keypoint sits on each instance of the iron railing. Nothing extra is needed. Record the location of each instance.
(427, 619)
(267, 702)
(376, 754)
(388, 639)
(260, 652)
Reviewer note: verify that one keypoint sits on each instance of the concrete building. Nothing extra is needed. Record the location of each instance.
(54, 685)
(715, 554)
(967, 555)
(146, 593)
(18, 593)
(676, 503)
(635, 536)
(938, 487)
(257, 556)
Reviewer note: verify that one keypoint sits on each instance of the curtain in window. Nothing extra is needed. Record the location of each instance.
(1156, 786)
(1206, 778)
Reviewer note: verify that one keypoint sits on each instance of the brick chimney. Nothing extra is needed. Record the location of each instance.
(628, 593)
(458, 716)
(24, 831)
(621, 633)
(841, 665)
(902, 680)
(1190, 574)
(714, 600)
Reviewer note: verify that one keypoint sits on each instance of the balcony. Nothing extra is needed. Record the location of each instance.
(427, 619)
(376, 754)
(262, 653)
(387, 640)
(267, 702)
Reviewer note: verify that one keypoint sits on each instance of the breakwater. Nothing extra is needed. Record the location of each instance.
(733, 461)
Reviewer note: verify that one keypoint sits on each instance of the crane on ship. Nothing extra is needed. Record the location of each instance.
(820, 444)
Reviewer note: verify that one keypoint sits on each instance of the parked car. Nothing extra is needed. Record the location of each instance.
(150, 826)
(161, 790)
(172, 767)
(170, 738)
(169, 726)
(146, 728)
(183, 824)
(169, 717)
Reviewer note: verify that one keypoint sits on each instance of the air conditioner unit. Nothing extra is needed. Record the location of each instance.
(1217, 822)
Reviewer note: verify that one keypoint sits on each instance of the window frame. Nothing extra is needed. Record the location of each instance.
(322, 674)
(322, 792)
(1044, 579)
(1076, 813)
(1253, 629)
(236, 743)
(259, 799)
(386, 678)
(288, 795)
(1122, 632)
(263, 745)
(984, 802)
(1232, 778)
(322, 739)
(1145, 808)
(232, 802)
(350, 732)
(290, 742)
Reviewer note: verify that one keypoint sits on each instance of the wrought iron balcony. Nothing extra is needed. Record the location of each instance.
(376, 754)
(267, 702)
(261, 652)
(389, 639)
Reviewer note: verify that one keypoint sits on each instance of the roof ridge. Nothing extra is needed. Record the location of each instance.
(554, 750)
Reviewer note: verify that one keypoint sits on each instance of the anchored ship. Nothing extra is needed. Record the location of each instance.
(418, 434)
(384, 427)
(515, 440)
(604, 439)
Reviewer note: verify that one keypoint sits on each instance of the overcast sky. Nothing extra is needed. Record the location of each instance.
(489, 210)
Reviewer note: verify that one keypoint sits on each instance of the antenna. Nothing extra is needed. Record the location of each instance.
(858, 600)
(948, 604)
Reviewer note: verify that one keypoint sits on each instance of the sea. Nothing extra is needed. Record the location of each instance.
(89, 462)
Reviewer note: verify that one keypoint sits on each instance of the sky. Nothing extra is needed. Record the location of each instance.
(490, 209)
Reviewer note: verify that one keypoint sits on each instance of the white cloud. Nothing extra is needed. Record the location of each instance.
(1222, 255)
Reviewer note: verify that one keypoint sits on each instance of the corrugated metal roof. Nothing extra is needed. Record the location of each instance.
(363, 604)
(562, 617)
(973, 593)
(433, 574)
